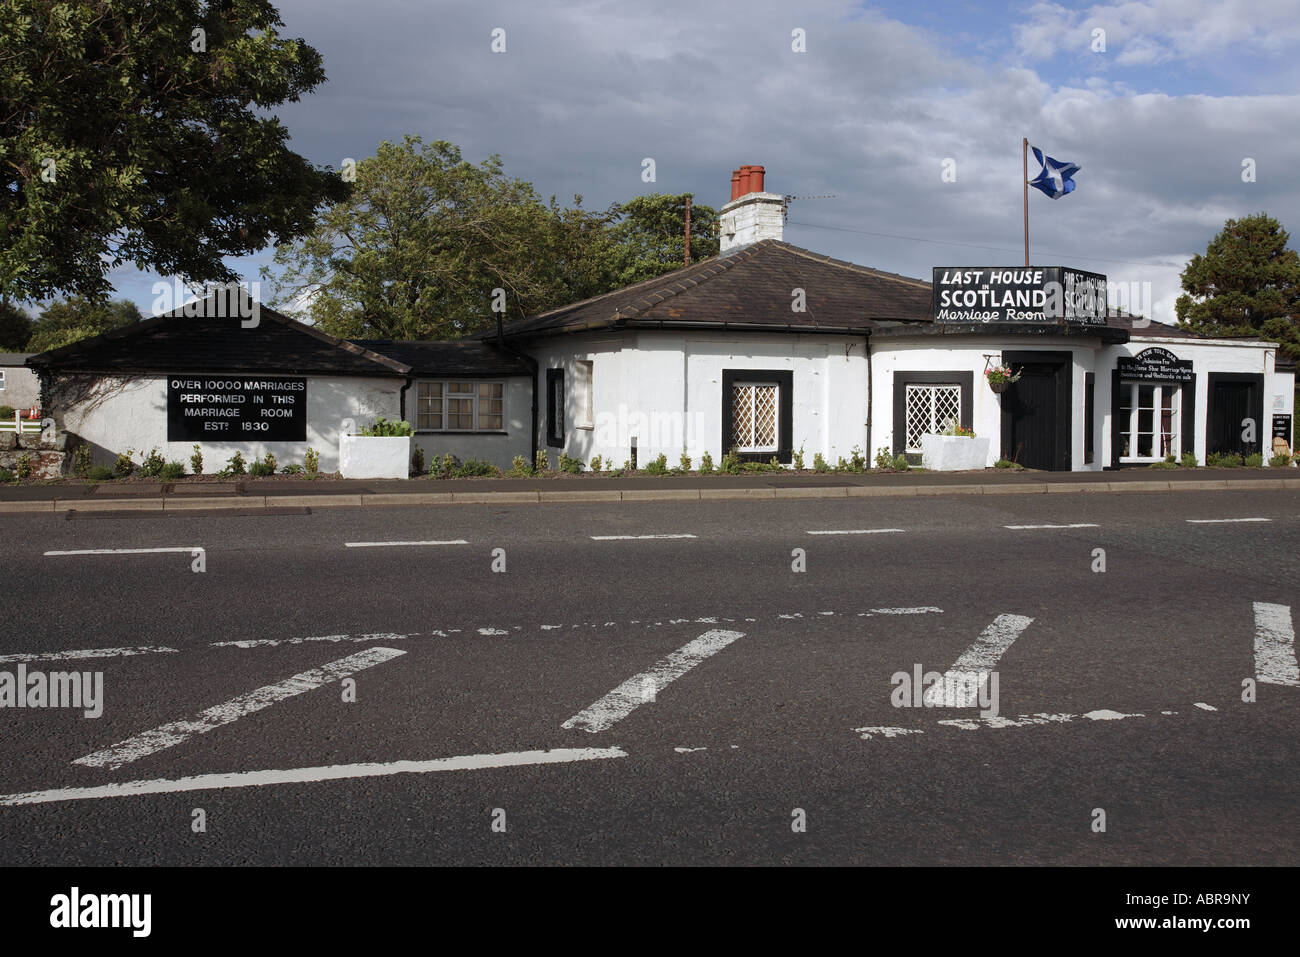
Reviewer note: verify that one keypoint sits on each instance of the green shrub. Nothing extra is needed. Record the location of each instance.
(884, 458)
(798, 459)
(1171, 458)
(571, 465)
(270, 462)
(519, 467)
(100, 473)
(153, 464)
(444, 467)
(706, 464)
(1280, 460)
(627, 468)
(173, 470)
(260, 469)
(840, 465)
(6, 475)
(900, 463)
(196, 461)
(541, 462)
(819, 463)
(388, 427)
(857, 461)
(235, 464)
(23, 467)
(417, 461)
(1189, 460)
(1166, 464)
(597, 463)
(312, 461)
(6, 411)
(124, 466)
(1224, 460)
(293, 468)
(81, 460)
(473, 467)
(658, 465)
(731, 464)
(1255, 460)
(684, 463)
(1005, 464)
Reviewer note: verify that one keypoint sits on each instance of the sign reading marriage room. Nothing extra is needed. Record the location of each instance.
(1020, 294)
(229, 409)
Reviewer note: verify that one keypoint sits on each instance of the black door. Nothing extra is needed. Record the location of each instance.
(1233, 401)
(1036, 412)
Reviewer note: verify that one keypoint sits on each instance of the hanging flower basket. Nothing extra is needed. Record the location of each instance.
(1000, 378)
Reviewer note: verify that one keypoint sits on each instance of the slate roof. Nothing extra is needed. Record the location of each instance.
(750, 288)
(462, 357)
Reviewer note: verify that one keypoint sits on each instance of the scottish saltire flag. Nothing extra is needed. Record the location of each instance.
(1055, 179)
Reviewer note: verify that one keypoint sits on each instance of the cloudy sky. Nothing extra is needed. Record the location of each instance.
(1161, 121)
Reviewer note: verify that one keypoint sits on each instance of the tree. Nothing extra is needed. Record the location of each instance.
(66, 322)
(651, 234)
(137, 133)
(1246, 284)
(15, 328)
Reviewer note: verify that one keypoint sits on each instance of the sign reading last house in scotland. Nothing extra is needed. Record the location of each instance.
(1020, 294)
(236, 409)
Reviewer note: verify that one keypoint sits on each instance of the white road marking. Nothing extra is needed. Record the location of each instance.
(1203, 706)
(171, 734)
(886, 732)
(128, 551)
(853, 531)
(274, 642)
(1026, 720)
(90, 653)
(627, 538)
(919, 610)
(492, 631)
(454, 541)
(688, 750)
(1075, 525)
(333, 772)
(1275, 658)
(1224, 521)
(631, 694)
(969, 674)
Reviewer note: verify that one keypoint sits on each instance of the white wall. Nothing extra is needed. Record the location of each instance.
(22, 389)
(499, 449)
(133, 414)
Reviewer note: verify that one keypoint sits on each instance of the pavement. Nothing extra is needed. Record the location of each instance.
(686, 682)
(283, 492)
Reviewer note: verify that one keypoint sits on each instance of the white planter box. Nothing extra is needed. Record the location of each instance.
(953, 453)
(374, 456)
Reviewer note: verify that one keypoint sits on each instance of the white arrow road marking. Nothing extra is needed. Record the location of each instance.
(89, 653)
(969, 674)
(854, 531)
(127, 551)
(1077, 525)
(631, 538)
(1275, 659)
(454, 541)
(638, 689)
(169, 735)
(333, 772)
(1224, 521)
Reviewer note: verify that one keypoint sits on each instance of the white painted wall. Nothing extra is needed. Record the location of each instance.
(21, 389)
(496, 448)
(133, 414)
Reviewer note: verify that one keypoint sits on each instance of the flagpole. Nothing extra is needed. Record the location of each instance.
(1024, 162)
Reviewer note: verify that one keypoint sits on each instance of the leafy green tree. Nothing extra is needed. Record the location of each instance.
(651, 235)
(65, 322)
(15, 328)
(1247, 284)
(140, 133)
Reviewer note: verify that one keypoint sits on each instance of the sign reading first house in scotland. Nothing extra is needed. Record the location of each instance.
(236, 409)
(1018, 294)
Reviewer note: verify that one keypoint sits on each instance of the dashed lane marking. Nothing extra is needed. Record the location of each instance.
(171, 734)
(1275, 658)
(89, 653)
(334, 772)
(1075, 525)
(639, 689)
(188, 549)
(453, 541)
(1018, 721)
(1224, 521)
(628, 538)
(853, 531)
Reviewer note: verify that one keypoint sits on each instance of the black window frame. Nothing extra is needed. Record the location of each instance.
(554, 409)
(783, 379)
(965, 380)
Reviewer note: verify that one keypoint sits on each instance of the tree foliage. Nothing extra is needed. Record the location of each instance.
(15, 328)
(1246, 284)
(64, 322)
(135, 132)
(426, 239)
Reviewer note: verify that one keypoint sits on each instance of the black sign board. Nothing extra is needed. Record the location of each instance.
(1155, 365)
(1282, 427)
(236, 409)
(1021, 294)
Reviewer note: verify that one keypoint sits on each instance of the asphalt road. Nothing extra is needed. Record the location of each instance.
(660, 700)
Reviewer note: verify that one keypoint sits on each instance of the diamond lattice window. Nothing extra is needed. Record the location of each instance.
(930, 410)
(754, 417)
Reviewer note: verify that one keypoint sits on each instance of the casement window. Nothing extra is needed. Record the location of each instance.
(555, 408)
(931, 408)
(1150, 421)
(755, 417)
(460, 406)
(586, 410)
(2, 380)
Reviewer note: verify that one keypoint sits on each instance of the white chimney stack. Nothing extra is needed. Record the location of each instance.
(751, 215)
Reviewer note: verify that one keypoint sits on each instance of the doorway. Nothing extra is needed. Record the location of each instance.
(1235, 397)
(1036, 410)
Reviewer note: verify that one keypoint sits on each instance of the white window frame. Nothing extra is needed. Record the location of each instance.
(475, 404)
(584, 386)
(1158, 390)
(776, 415)
(2, 380)
(933, 427)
